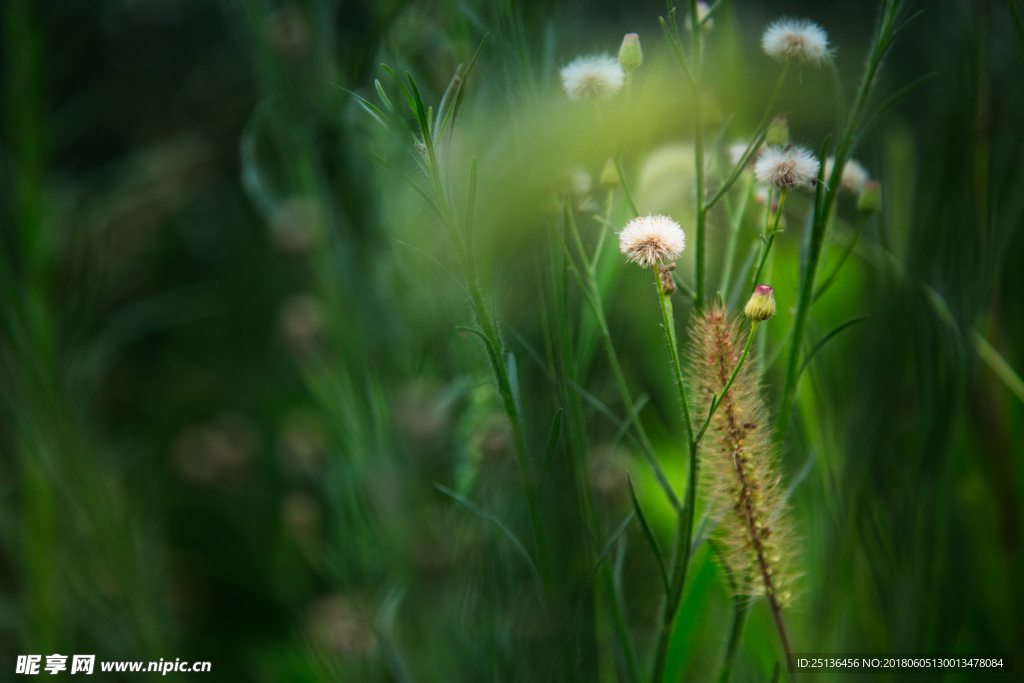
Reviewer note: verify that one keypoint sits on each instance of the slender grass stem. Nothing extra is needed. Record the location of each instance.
(754, 144)
(842, 260)
(670, 337)
(592, 294)
(769, 237)
(684, 518)
(739, 623)
(882, 42)
(735, 224)
(700, 256)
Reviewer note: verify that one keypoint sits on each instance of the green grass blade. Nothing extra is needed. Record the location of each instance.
(826, 339)
(998, 365)
(604, 553)
(556, 433)
(894, 99)
(649, 535)
(472, 507)
(652, 460)
(1017, 23)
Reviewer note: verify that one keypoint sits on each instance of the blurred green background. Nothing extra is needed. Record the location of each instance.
(231, 370)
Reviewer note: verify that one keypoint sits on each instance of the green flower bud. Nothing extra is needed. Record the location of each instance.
(630, 54)
(761, 305)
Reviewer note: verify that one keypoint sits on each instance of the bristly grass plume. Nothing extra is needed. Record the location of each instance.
(739, 465)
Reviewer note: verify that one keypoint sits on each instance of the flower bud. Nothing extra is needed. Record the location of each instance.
(610, 176)
(778, 132)
(630, 54)
(870, 199)
(761, 305)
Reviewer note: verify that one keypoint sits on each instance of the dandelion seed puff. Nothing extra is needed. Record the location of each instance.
(795, 40)
(652, 240)
(595, 77)
(739, 464)
(854, 177)
(787, 167)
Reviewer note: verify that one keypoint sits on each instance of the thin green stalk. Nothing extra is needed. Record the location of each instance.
(739, 622)
(698, 151)
(593, 296)
(684, 519)
(769, 238)
(754, 144)
(734, 232)
(618, 615)
(668, 321)
(822, 211)
(621, 628)
(489, 329)
(842, 259)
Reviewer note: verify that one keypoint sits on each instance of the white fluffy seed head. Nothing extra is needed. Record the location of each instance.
(795, 40)
(787, 167)
(595, 77)
(652, 240)
(854, 177)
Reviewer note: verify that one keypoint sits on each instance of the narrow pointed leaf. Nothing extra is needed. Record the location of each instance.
(472, 507)
(649, 535)
(998, 365)
(827, 338)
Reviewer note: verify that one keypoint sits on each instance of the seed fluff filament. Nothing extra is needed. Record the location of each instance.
(739, 466)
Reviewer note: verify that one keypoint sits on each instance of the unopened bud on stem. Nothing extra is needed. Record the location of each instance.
(630, 54)
(761, 305)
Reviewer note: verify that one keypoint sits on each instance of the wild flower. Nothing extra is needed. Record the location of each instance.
(594, 77)
(795, 40)
(761, 305)
(787, 167)
(739, 464)
(652, 241)
(854, 177)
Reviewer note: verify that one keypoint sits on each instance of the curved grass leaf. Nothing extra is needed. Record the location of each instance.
(828, 337)
(472, 507)
(604, 553)
(894, 99)
(998, 364)
(556, 432)
(649, 535)
(652, 460)
(1017, 23)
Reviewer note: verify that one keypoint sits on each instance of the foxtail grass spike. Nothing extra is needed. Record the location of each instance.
(740, 474)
